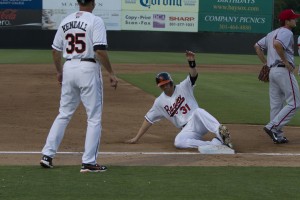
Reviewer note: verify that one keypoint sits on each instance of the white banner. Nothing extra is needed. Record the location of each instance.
(161, 5)
(72, 4)
(160, 21)
(55, 10)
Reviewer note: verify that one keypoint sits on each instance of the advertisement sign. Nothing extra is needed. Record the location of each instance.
(160, 21)
(20, 14)
(21, 4)
(14, 18)
(73, 5)
(55, 11)
(250, 16)
(236, 16)
(237, 6)
(161, 5)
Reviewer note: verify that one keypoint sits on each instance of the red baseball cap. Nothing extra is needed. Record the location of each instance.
(288, 14)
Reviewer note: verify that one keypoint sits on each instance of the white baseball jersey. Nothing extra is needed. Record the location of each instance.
(285, 37)
(78, 36)
(178, 108)
(78, 33)
(183, 111)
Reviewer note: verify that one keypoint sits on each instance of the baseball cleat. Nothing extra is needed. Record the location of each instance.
(225, 135)
(282, 141)
(92, 168)
(272, 135)
(46, 162)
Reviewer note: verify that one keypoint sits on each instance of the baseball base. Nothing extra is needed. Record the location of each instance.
(215, 149)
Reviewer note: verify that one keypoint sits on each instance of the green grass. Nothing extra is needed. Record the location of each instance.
(33, 182)
(231, 98)
(13, 56)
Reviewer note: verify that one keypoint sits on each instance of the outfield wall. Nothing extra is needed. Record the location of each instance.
(202, 42)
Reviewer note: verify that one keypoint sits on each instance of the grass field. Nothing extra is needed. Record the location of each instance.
(224, 100)
(26, 56)
(223, 95)
(205, 183)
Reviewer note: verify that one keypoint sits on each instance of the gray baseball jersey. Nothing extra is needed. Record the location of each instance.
(285, 37)
(283, 84)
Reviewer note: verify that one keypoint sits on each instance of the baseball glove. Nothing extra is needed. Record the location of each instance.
(264, 74)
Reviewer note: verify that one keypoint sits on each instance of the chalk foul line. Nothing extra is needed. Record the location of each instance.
(148, 153)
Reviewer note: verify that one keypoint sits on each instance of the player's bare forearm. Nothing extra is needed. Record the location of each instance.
(56, 55)
(190, 56)
(104, 60)
(143, 129)
(260, 54)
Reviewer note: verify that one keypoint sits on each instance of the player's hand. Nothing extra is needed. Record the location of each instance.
(289, 67)
(113, 81)
(190, 56)
(59, 77)
(131, 141)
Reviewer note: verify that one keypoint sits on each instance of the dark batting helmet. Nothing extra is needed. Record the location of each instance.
(163, 78)
(84, 2)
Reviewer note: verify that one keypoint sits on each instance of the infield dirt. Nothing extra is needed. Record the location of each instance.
(29, 103)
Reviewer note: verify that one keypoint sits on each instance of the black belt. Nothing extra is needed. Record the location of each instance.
(85, 59)
(280, 65)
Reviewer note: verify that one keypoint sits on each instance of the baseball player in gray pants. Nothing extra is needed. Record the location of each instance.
(283, 89)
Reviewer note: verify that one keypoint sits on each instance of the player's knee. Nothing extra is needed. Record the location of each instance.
(180, 143)
(64, 116)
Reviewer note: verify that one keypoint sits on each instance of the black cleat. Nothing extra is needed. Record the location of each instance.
(46, 162)
(272, 135)
(92, 168)
(282, 141)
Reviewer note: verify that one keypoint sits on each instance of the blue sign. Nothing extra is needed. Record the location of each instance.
(21, 4)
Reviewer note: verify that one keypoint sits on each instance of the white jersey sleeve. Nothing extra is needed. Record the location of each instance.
(58, 42)
(155, 114)
(99, 34)
(262, 43)
(178, 108)
(299, 45)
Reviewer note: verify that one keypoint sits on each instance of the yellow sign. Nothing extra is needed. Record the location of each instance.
(161, 5)
(160, 21)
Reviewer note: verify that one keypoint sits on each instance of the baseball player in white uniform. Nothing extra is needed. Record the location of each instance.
(284, 89)
(299, 53)
(81, 38)
(178, 104)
